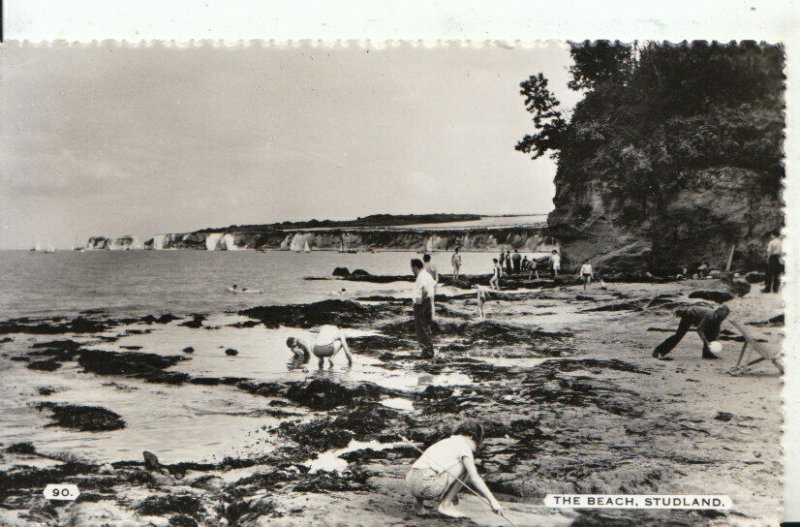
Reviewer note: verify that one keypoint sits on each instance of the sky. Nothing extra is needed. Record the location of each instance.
(111, 139)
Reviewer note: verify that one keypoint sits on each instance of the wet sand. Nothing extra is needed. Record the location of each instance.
(563, 380)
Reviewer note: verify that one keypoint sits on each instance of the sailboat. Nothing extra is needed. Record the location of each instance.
(37, 248)
(306, 249)
(50, 248)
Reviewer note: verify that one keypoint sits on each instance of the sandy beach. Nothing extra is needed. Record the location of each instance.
(562, 379)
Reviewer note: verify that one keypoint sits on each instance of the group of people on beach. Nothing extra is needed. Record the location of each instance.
(448, 466)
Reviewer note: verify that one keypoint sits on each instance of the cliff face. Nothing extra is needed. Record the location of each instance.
(715, 211)
(673, 157)
(123, 243)
(526, 239)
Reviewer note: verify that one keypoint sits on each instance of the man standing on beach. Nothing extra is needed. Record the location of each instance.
(508, 262)
(424, 286)
(516, 258)
(774, 266)
(502, 262)
(456, 262)
(707, 320)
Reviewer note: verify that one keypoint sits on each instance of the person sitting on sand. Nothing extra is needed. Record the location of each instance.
(443, 468)
(494, 281)
(707, 320)
(456, 263)
(587, 274)
(330, 340)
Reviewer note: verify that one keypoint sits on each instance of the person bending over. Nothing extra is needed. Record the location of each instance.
(440, 470)
(707, 321)
(328, 343)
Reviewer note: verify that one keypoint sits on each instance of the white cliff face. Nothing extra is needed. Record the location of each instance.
(212, 241)
(228, 243)
(158, 242)
(298, 242)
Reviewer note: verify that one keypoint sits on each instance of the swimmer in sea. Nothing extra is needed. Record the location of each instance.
(328, 343)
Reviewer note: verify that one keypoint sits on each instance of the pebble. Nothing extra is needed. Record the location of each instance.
(231, 352)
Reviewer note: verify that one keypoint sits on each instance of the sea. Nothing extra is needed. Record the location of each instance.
(187, 422)
(184, 281)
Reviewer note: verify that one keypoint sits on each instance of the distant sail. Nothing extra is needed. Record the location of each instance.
(307, 248)
(38, 246)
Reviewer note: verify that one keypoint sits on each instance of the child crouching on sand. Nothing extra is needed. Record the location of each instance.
(445, 466)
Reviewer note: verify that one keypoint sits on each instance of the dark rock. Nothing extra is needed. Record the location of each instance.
(739, 286)
(243, 512)
(6, 339)
(338, 312)
(341, 271)
(723, 416)
(41, 327)
(754, 277)
(714, 296)
(188, 349)
(83, 418)
(150, 461)
(45, 365)
(182, 520)
(131, 348)
(113, 363)
(195, 322)
(231, 352)
(324, 394)
(46, 390)
(22, 448)
(160, 505)
(360, 272)
(437, 392)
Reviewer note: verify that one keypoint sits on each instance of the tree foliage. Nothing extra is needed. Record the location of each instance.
(650, 113)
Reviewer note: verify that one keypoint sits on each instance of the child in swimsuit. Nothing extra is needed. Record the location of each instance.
(329, 342)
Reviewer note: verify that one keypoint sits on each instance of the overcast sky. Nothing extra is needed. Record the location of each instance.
(112, 140)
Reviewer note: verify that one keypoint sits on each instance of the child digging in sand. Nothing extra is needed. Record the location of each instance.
(445, 466)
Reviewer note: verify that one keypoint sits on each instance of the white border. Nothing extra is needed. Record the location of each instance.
(234, 21)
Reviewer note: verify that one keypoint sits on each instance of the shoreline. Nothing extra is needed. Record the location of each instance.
(572, 400)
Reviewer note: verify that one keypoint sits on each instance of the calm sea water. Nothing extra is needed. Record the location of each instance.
(221, 420)
(181, 282)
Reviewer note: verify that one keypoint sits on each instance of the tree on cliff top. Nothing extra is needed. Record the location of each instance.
(677, 106)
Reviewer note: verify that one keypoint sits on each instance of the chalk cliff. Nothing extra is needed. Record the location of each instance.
(529, 239)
